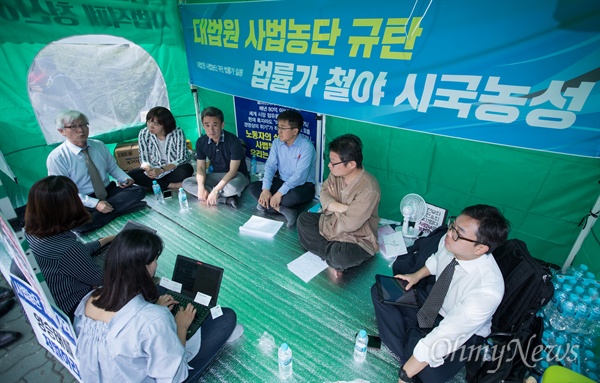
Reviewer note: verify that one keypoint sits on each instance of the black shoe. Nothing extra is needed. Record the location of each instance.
(5, 306)
(290, 215)
(9, 337)
(5, 293)
(232, 201)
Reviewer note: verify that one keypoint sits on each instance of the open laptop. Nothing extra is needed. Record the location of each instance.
(200, 285)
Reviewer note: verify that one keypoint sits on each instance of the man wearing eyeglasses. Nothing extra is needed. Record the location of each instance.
(88, 163)
(289, 178)
(435, 345)
(345, 234)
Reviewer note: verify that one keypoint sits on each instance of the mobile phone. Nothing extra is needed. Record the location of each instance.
(372, 341)
(168, 194)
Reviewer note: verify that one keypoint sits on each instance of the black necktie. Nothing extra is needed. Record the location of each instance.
(97, 183)
(430, 309)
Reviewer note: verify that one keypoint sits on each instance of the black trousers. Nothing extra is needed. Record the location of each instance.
(180, 173)
(294, 197)
(122, 200)
(399, 330)
(339, 255)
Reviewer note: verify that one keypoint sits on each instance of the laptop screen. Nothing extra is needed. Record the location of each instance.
(197, 276)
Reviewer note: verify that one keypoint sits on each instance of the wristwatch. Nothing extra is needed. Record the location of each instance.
(403, 377)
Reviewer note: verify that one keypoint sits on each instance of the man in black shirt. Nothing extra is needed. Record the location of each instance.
(226, 155)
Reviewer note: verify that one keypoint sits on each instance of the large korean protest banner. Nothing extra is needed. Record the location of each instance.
(518, 73)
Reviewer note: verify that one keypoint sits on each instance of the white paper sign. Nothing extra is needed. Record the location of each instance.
(216, 312)
(203, 299)
(434, 218)
(170, 285)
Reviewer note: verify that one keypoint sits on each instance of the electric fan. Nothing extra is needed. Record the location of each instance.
(413, 208)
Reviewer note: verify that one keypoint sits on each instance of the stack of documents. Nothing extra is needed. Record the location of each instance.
(261, 226)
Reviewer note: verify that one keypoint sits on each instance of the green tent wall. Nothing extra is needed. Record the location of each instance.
(544, 195)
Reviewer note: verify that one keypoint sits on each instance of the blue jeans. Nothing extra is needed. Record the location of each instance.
(214, 334)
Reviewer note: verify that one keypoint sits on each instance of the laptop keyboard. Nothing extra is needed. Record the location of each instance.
(183, 302)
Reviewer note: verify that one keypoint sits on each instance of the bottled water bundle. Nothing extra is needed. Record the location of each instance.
(572, 322)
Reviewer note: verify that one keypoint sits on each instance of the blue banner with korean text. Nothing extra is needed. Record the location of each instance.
(515, 73)
(256, 124)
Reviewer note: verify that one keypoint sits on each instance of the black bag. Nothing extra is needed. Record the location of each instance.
(516, 331)
(418, 253)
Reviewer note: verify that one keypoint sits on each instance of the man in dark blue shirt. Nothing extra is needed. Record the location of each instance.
(226, 155)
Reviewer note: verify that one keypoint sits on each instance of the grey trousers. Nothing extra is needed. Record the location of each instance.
(235, 186)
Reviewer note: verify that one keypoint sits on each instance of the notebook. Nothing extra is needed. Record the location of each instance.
(194, 282)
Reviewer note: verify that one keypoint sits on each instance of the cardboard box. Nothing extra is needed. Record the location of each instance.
(128, 155)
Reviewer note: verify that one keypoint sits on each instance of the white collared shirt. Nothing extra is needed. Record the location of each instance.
(68, 160)
(474, 294)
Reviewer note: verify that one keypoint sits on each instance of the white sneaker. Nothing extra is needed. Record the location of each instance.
(236, 333)
(260, 207)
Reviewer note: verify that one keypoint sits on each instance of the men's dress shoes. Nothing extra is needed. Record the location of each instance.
(5, 293)
(232, 201)
(6, 305)
(9, 337)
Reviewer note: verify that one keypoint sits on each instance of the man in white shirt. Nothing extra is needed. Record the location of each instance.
(69, 159)
(433, 352)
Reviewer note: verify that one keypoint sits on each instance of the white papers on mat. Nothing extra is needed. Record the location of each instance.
(307, 266)
(394, 244)
(261, 226)
(381, 233)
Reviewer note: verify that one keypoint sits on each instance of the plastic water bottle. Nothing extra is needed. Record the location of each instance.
(360, 347)
(578, 272)
(157, 192)
(183, 200)
(254, 165)
(285, 361)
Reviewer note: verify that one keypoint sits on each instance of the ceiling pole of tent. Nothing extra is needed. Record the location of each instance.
(197, 107)
(591, 219)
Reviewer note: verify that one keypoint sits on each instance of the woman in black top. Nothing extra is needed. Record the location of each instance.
(53, 210)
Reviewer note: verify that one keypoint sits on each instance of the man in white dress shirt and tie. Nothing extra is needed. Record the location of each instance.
(458, 313)
(88, 163)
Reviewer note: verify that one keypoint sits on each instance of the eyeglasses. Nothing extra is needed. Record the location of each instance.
(280, 129)
(77, 126)
(336, 163)
(454, 231)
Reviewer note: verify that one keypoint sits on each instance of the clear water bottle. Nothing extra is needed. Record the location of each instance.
(569, 308)
(254, 165)
(582, 314)
(579, 271)
(183, 200)
(285, 361)
(360, 346)
(157, 192)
